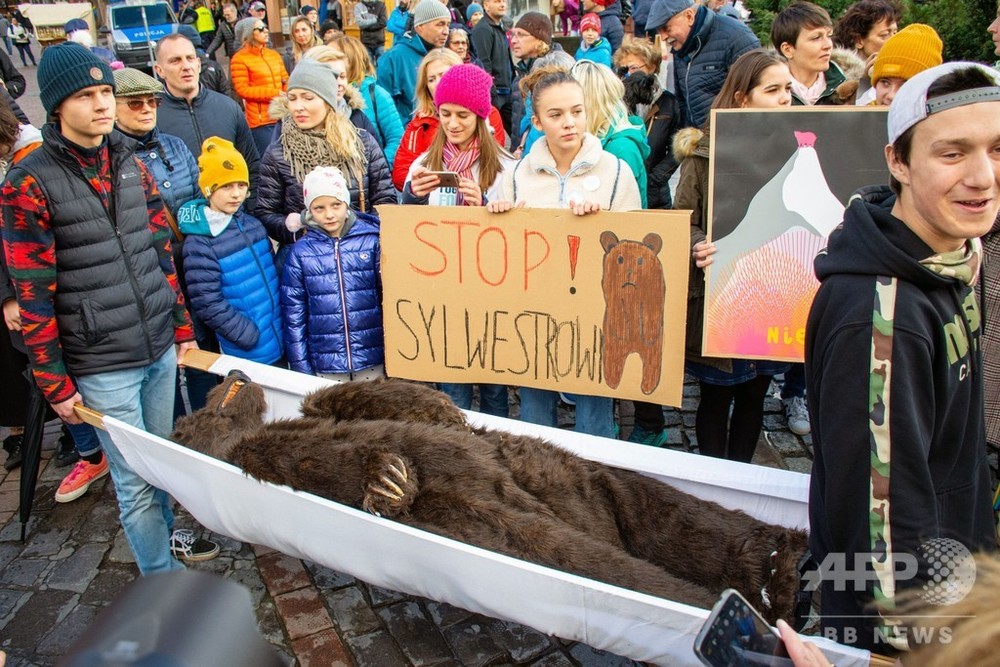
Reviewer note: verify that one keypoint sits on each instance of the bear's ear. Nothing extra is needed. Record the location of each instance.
(654, 242)
(608, 240)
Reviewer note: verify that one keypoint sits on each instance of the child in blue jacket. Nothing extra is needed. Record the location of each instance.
(331, 289)
(228, 261)
(592, 45)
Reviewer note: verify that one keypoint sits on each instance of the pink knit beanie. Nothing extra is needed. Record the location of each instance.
(467, 86)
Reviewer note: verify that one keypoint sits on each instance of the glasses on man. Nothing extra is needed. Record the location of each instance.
(138, 104)
(519, 34)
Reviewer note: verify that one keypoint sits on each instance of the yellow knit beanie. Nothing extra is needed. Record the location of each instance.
(910, 51)
(220, 164)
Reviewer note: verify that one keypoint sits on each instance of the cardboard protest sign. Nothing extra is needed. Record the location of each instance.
(779, 184)
(594, 305)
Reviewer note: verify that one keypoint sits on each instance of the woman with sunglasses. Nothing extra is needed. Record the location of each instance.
(258, 76)
(173, 167)
(175, 170)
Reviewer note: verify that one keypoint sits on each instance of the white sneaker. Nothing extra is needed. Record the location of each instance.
(797, 413)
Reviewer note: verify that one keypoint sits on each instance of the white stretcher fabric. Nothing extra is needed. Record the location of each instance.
(394, 556)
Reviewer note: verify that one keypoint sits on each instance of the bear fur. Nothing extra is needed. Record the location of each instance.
(513, 494)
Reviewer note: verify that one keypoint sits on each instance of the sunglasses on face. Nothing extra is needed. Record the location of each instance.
(260, 28)
(140, 104)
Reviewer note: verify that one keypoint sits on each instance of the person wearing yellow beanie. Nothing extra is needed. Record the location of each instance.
(910, 51)
(221, 164)
(229, 266)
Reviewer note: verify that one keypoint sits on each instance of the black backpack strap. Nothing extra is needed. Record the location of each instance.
(614, 188)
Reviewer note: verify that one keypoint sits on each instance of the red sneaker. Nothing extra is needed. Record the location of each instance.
(79, 479)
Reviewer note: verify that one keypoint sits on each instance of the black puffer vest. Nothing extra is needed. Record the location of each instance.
(113, 304)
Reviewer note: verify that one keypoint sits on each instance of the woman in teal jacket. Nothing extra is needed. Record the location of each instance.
(379, 105)
(621, 135)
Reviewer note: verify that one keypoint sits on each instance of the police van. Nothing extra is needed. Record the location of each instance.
(135, 28)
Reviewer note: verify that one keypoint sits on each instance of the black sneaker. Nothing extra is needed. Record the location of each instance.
(66, 453)
(13, 446)
(185, 546)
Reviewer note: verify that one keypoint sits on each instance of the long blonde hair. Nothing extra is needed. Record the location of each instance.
(425, 101)
(359, 63)
(297, 50)
(604, 95)
(344, 139)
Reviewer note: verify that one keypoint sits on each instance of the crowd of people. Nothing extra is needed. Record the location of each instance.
(151, 216)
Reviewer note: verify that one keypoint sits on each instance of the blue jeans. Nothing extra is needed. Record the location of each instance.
(595, 415)
(85, 438)
(142, 397)
(795, 382)
(492, 397)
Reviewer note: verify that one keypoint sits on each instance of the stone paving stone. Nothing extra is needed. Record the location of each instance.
(109, 583)
(472, 644)
(282, 573)
(323, 649)
(47, 543)
(787, 444)
(76, 572)
(61, 637)
(10, 601)
(12, 531)
(8, 552)
(101, 524)
(303, 612)
(18, 660)
(416, 635)
(592, 657)
(522, 643)
(554, 659)
(121, 552)
(269, 623)
(220, 565)
(381, 596)
(43, 611)
(376, 649)
(444, 614)
(802, 464)
(9, 500)
(245, 572)
(325, 578)
(350, 611)
(24, 572)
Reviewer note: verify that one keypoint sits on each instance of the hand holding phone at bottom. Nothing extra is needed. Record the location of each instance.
(802, 654)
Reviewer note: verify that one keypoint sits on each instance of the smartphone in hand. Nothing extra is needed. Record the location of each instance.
(446, 179)
(735, 634)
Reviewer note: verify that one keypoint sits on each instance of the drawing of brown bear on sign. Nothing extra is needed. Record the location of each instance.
(512, 494)
(634, 293)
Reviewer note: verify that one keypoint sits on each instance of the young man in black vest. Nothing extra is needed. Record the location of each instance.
(88, 248)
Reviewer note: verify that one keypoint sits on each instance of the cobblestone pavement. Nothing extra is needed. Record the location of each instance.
(75, 562)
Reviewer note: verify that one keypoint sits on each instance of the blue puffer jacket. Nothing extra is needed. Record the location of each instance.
(172, 166)
(381, 111)
(397, 71)
(280, 193)
(331, 296)
(396, 23)
(701, 65)
(232, 282)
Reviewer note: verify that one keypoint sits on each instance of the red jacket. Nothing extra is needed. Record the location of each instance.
(417, 139)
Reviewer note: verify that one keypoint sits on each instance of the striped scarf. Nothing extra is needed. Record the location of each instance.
(461, 161)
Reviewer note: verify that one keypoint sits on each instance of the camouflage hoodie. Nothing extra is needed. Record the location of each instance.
(894, 381)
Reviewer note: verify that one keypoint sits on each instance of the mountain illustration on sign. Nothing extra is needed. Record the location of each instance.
(762, 275)
(634, 293)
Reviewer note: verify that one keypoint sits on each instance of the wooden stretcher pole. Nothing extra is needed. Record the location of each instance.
(201, 360)
(881, 661)
(88, 416)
